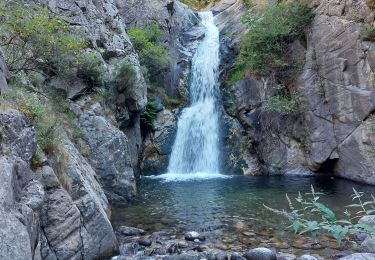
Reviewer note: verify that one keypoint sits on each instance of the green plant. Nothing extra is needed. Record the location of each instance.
(284, 101)
(45, 122)
(148, 117)
(266, 45)
(125, 76)
(313, 217)
(91, 69)
(368, 32)
(31, 37)
(152, 54)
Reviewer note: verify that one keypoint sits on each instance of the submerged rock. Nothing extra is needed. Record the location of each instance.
(260, 253)
(131, 231)
(359, 256)
(307, 257)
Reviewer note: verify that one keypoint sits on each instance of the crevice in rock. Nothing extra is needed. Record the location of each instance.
(328, 166)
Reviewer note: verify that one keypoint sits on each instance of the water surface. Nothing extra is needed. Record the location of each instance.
(225, 208)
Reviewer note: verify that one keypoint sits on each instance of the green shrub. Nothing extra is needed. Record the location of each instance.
(44, 121)
(284, 101)
(271, 30)
(312, 216)
(152, 55)
(125, 76)
(368, 32)
(148, 117)
(91, 70)
(33, 38)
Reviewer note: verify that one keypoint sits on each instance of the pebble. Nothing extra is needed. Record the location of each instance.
(260, 253)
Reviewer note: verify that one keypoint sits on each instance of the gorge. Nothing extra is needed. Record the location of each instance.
(153, 129)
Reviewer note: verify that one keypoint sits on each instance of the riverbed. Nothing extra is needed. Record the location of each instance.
(230, 211)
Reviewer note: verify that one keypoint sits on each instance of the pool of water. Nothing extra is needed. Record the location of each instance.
(229, 209)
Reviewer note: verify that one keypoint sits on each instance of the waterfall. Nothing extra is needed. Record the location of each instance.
(195, 153)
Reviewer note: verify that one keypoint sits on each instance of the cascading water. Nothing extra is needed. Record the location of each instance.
(195, 153)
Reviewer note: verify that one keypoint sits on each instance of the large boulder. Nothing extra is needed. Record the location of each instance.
(158, 145)
(108, 151)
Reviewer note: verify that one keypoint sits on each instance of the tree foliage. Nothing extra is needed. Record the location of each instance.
(31, 37)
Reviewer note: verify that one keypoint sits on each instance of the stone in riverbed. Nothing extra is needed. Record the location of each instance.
(368, 244)
(307, 257)
(260, 253)
(145, 242)
(359, 256)
(193, 235)
(236, 256)
(131, 231)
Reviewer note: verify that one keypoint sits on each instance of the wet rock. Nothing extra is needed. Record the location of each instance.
(260, 253)
(221, 256)
(158, 145)
(236, 256)
(368, 243)
(131, 231)
(145, 242)
(359, 256)
(192, 235)
(307, 257)
(286, 256)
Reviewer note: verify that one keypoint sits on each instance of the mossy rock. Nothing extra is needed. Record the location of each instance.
(371, 4)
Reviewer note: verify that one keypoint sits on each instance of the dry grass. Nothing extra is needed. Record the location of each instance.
(371, 4)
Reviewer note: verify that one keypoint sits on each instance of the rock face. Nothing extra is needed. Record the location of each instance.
(100, 24)
(41, 219)
(180, 34)
(334, 132)
(108, 150)
(158, 145)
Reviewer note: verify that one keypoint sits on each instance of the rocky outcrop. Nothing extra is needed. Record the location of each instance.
(39, 217)
(334, 132)
(108, 150)
(180, 34)
(158, 145)
(100, 24)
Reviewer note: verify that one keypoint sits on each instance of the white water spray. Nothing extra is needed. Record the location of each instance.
(195, 153)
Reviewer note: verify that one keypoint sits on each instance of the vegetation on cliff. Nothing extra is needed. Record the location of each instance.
(265, 47)
(32, 38)
(153, 56)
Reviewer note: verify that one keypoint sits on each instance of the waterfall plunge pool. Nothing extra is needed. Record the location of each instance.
(228, 210)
